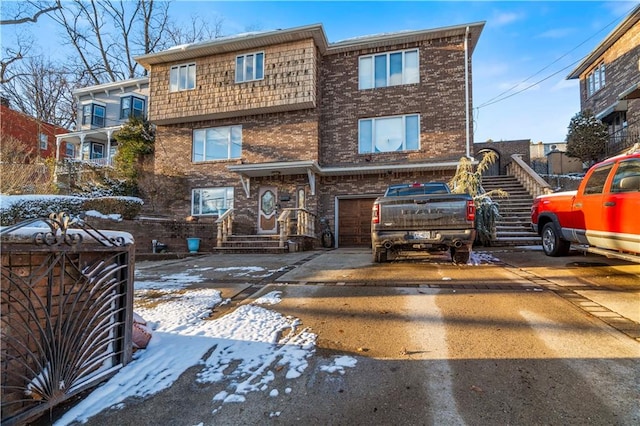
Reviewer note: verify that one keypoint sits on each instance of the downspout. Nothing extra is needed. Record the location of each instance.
(466, 89)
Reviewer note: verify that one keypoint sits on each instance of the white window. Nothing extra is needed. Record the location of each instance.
(211, 201)
(388, 134)
(388, 69)
(43, 141)
(182, 77)
(249, 67)
(131, 106)
(93, 114)
(596, 79)
(217, 143)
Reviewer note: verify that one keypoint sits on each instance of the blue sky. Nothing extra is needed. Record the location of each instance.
(523, 43)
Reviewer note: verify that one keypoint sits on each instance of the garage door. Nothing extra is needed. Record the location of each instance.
(354, 222)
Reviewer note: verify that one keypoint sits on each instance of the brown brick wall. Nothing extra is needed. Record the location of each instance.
(278, 137)
(289, 83)
(439, 98)
(621, 70)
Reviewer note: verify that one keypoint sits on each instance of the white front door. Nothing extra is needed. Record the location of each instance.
(267, 212)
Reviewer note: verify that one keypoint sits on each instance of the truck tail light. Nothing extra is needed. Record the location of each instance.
(471, 210)
(375, 215)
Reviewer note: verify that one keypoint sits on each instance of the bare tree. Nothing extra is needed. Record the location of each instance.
(41, 89)
(106, 35)
(197, 30)
(18, 13)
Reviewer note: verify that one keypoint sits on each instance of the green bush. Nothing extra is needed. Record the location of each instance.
(16, 208)
(22, 207)
(127, 207)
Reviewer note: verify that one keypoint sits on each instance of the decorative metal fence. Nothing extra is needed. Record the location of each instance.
(67, 312)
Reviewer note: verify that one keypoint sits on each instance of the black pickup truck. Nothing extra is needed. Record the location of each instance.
(422, 217)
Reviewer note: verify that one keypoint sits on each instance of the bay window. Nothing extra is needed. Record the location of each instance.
(131, 106)
(93, 114)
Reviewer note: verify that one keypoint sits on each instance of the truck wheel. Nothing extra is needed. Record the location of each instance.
(552, 244)
(460, 257)
(379, 255)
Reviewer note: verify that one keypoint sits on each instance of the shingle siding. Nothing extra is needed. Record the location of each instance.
(289, 83)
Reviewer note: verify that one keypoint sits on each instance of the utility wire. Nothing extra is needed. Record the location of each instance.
(500, 97)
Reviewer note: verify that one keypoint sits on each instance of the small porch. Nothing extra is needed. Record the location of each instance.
(296, 231)
(94, 146)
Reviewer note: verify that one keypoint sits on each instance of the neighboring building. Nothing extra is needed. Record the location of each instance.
(551, 159)
(610, 83)
(36, 137)
(284, 119)
(102, 110)
(538, 150)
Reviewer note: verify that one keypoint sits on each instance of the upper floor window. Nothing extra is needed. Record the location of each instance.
(131, 106)
(249, 67)
(596, 79)
(43, 141)
(182, 77)
(93, 114)
(388, 134)
(217, 143)
(389, 69)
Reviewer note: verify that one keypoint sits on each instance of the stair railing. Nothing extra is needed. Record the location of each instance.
(527, 177)
(225, 227)
(296, 222)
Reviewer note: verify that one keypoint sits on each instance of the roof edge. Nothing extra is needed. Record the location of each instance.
(629, 21)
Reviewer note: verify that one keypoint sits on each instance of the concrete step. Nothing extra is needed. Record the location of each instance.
(269, 244)
(236, 250)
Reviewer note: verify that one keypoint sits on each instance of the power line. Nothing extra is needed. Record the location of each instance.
(500, 97)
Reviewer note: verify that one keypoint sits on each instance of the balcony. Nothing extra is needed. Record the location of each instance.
(622, 141)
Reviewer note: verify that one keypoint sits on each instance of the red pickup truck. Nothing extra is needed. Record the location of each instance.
(601, 213)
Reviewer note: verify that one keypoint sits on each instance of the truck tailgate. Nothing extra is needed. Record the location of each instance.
(425, 212)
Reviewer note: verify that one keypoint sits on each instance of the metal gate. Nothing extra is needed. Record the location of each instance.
(67, 309)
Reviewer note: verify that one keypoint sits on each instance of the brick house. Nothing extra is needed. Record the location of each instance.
(102, 110)
(610, 83)
(37, 138)
(283, 119)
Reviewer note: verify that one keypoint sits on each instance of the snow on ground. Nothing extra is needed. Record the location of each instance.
(482, 257)
(246, 348)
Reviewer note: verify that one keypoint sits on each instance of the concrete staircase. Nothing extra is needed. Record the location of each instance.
(252, 244)
(514, 228)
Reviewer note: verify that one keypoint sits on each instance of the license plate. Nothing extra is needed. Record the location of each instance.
(421, 235)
